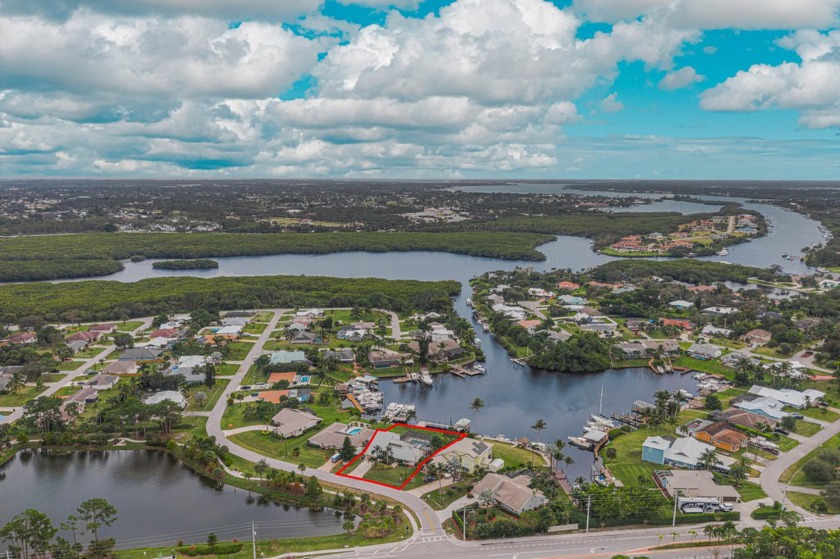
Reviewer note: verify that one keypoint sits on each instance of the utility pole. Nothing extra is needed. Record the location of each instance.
(464, 522)
(588, 508)
(254, 538)
(674, 521)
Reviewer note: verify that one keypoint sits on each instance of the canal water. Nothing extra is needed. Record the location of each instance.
(154, 493)
(515, 397)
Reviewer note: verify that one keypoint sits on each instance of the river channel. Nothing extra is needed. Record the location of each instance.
(515, 396)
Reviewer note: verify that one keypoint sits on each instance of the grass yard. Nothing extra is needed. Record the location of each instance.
(515, 457)
(751, 491)
(190, 427)
(226, 369)
(263, 316)
(713, 367)
(52, 377)
(70, 365)
(293, 450)
(395, 476)
(233, 418)
(254, 328)
(635, 474)
(805, 500)
(253, 376)
(239, 350)
(794, 474)
(806, 428)
(20, 397)
(771, 352)
(439, 499)
(129, 326)
(213, 395)
(89, 352)
(822, 414)
(726, 396)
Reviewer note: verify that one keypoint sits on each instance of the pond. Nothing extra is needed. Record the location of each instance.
(159, 499)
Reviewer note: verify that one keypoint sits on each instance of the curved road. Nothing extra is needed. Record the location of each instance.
(429, 522)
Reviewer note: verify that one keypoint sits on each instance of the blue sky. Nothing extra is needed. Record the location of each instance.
(437, 88)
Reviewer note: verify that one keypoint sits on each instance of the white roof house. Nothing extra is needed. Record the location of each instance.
(686, 452)
(228, 331)
(167, 395)
(788, 396)
(681, 304)
(709, 330)
(768, 407)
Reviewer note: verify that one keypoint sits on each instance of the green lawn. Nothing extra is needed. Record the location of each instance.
(212, 394)
(263, 316)
(253, 376)
(771, 352)
(726, 396)
(439, 499)
(726, 342)
(294, 450)
(794, 474)
(52, 377)
(822, 414)
(70, 365)
(805, 500)
(786, 443)
(233, 419)
(20, 397)
(515, 457)
(190, 427)
(713, 366)
(635, 474)
(129, 326)
(89, 352)
(751, 491)
(254, 328)
(806, 428)
(226, 369)
(239, 350)
(395, 476)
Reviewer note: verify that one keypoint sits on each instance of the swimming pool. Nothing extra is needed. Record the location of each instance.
(354, 431)
(304, 379)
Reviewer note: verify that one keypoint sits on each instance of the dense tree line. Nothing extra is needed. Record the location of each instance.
(689, 271)
(193, 264)
(101, 300)
(584, 352)
(37, 270)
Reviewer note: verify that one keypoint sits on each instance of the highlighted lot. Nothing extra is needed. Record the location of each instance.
(394, 457)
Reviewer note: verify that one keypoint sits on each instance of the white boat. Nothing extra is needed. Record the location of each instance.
(580, 442)
(479, 368)
(469, 302)
(425, 377)
(723, 252)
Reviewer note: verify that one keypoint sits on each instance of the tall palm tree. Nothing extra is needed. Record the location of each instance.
(538, 426)
(476, 406)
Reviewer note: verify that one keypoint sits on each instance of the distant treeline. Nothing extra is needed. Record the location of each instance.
(35, 270)
(603, 227)
(194, 264)
(686, 270)
(110, 300)
(100, 247)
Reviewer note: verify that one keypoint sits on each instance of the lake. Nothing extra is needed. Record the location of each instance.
(155, 494)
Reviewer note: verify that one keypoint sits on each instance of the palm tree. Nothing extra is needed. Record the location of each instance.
(476, 406)
(708, 460)
(538, 426)
(410, 415)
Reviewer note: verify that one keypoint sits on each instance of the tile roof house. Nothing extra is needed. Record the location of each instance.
(512, 495)
(401, 449)
(529, 325)
(705, 352)
(291, 422)
(677, 323)
(101, 382)
(381, 359)
(568, 285)
(83, 336)
(746, 419)
(758, 337)
(719, 434)
(167, 396)
(22, 338)
(289, 377)
(340, 355)
(140, 354)
(105, 328)
(695, 483)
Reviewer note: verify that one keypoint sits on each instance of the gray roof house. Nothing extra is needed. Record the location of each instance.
(140, 354)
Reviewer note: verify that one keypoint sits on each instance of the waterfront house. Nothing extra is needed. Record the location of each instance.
(767, 407)
(746, 419)
(403, 449)
(683, 452)
(290, 422)
(440, 333)
(758, 337)
(718, 434)
(632, 350)
(789, 397)
(667, 346)
(382, 359)
(706, 352)
(512, 312)
(653, 449)
(340, 355)
(511, 495)
(559, 335)
(469, 453)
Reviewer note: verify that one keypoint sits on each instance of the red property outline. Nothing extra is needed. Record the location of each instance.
(461, 436)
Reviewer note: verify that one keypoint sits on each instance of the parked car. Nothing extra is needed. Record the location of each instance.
(797, 416)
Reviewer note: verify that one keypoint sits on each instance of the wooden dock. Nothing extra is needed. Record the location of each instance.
(355, 402)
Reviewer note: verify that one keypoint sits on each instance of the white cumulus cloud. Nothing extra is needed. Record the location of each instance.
(679, 79)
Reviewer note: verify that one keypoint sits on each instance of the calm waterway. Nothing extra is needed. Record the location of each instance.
(515, 396)
(154, 494)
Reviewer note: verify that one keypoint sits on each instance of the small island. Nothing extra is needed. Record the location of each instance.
(191, 264)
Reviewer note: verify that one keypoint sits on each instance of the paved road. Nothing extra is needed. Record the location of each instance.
(769, 478)
(429, 523)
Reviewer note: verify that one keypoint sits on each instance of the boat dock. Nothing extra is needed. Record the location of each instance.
(464, 372)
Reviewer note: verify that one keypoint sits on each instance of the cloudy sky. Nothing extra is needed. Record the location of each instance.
(420, 88)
